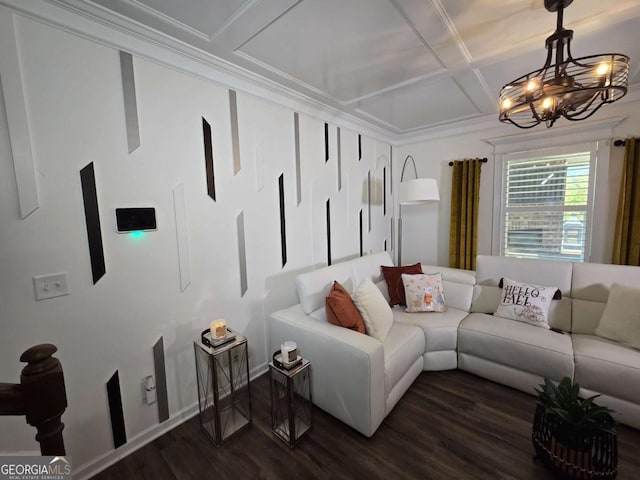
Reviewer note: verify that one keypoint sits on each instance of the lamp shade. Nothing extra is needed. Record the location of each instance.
(419, 190)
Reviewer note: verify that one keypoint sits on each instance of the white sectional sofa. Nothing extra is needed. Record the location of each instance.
(359, 379)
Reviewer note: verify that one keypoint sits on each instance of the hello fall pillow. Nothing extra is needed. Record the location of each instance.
(525, 302)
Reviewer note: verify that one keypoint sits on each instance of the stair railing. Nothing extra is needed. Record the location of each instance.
(40, 397)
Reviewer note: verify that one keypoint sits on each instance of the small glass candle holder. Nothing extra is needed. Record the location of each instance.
(218, 329)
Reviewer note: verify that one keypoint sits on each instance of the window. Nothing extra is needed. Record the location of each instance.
(546, 204)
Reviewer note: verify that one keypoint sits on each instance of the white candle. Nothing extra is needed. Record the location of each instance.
(289, 351)
(219, 328)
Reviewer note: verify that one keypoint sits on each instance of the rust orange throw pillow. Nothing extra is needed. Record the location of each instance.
(342, 311)
(393, 277)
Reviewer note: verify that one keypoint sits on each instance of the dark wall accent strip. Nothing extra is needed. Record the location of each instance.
(283, 230)
(208, 158)
(328, 231)
(161, 380)
(296, 135)
(339, 145)
(361, 238)
(115, 411)
(130, 102)
(359, 147)
(385, 244)
(384, 191)
(92, 220)
(242, 253)
(326, 142)
(369, 198)
(235, 138)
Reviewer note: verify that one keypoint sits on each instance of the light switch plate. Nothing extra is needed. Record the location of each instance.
(50, 286)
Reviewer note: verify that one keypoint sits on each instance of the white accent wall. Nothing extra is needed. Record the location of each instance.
(74, 100)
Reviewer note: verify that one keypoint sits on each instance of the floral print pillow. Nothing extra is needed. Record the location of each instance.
(424, 292)
(526, 303)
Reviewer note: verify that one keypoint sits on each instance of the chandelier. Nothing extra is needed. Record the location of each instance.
(571, 88)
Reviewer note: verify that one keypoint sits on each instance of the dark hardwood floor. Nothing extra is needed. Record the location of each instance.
(449, 425)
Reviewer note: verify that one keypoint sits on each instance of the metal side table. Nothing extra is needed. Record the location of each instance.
(291, 401)
(224, 397)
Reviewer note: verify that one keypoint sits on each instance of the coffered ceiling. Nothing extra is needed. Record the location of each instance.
(405, 66)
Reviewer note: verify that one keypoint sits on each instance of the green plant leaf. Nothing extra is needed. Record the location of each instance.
(577, 417)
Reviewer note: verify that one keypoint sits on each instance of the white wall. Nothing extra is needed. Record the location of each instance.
(426, 227)
(75, 104)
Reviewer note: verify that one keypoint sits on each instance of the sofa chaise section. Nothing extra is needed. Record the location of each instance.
(513, 353)
(441, 329)
(510, 352)
(602, 366)
(346, 367)
(356, 378)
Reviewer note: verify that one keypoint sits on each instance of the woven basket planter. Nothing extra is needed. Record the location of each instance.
(595, 458)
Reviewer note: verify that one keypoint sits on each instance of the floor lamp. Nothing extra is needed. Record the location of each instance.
(414, 192)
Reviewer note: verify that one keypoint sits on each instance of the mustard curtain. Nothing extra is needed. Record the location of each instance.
(626, 243)
(465, 200)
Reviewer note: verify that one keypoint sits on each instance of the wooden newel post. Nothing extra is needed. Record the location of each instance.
(44, 396)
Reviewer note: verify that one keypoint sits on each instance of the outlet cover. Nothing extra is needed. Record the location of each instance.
(50, 286)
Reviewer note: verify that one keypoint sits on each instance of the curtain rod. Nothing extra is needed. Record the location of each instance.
(483, 160)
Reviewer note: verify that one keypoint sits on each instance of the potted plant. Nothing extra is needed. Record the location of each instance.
(573, 435)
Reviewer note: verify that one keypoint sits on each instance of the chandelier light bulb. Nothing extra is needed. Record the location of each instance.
(603, 69)
(532, 85)
(547, 103)
(506, 104)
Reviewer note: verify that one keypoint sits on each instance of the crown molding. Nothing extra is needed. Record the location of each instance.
(91, 21)
(587, 127)
(169, 20)
(453, 129)
(488, 122)
(96, 23)
(587, 130)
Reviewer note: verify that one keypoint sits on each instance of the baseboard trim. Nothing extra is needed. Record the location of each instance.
(101, 463)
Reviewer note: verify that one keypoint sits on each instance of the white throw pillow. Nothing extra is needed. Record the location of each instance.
(374, 308)
(620, 320)
(424, 292)
(525, 302)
